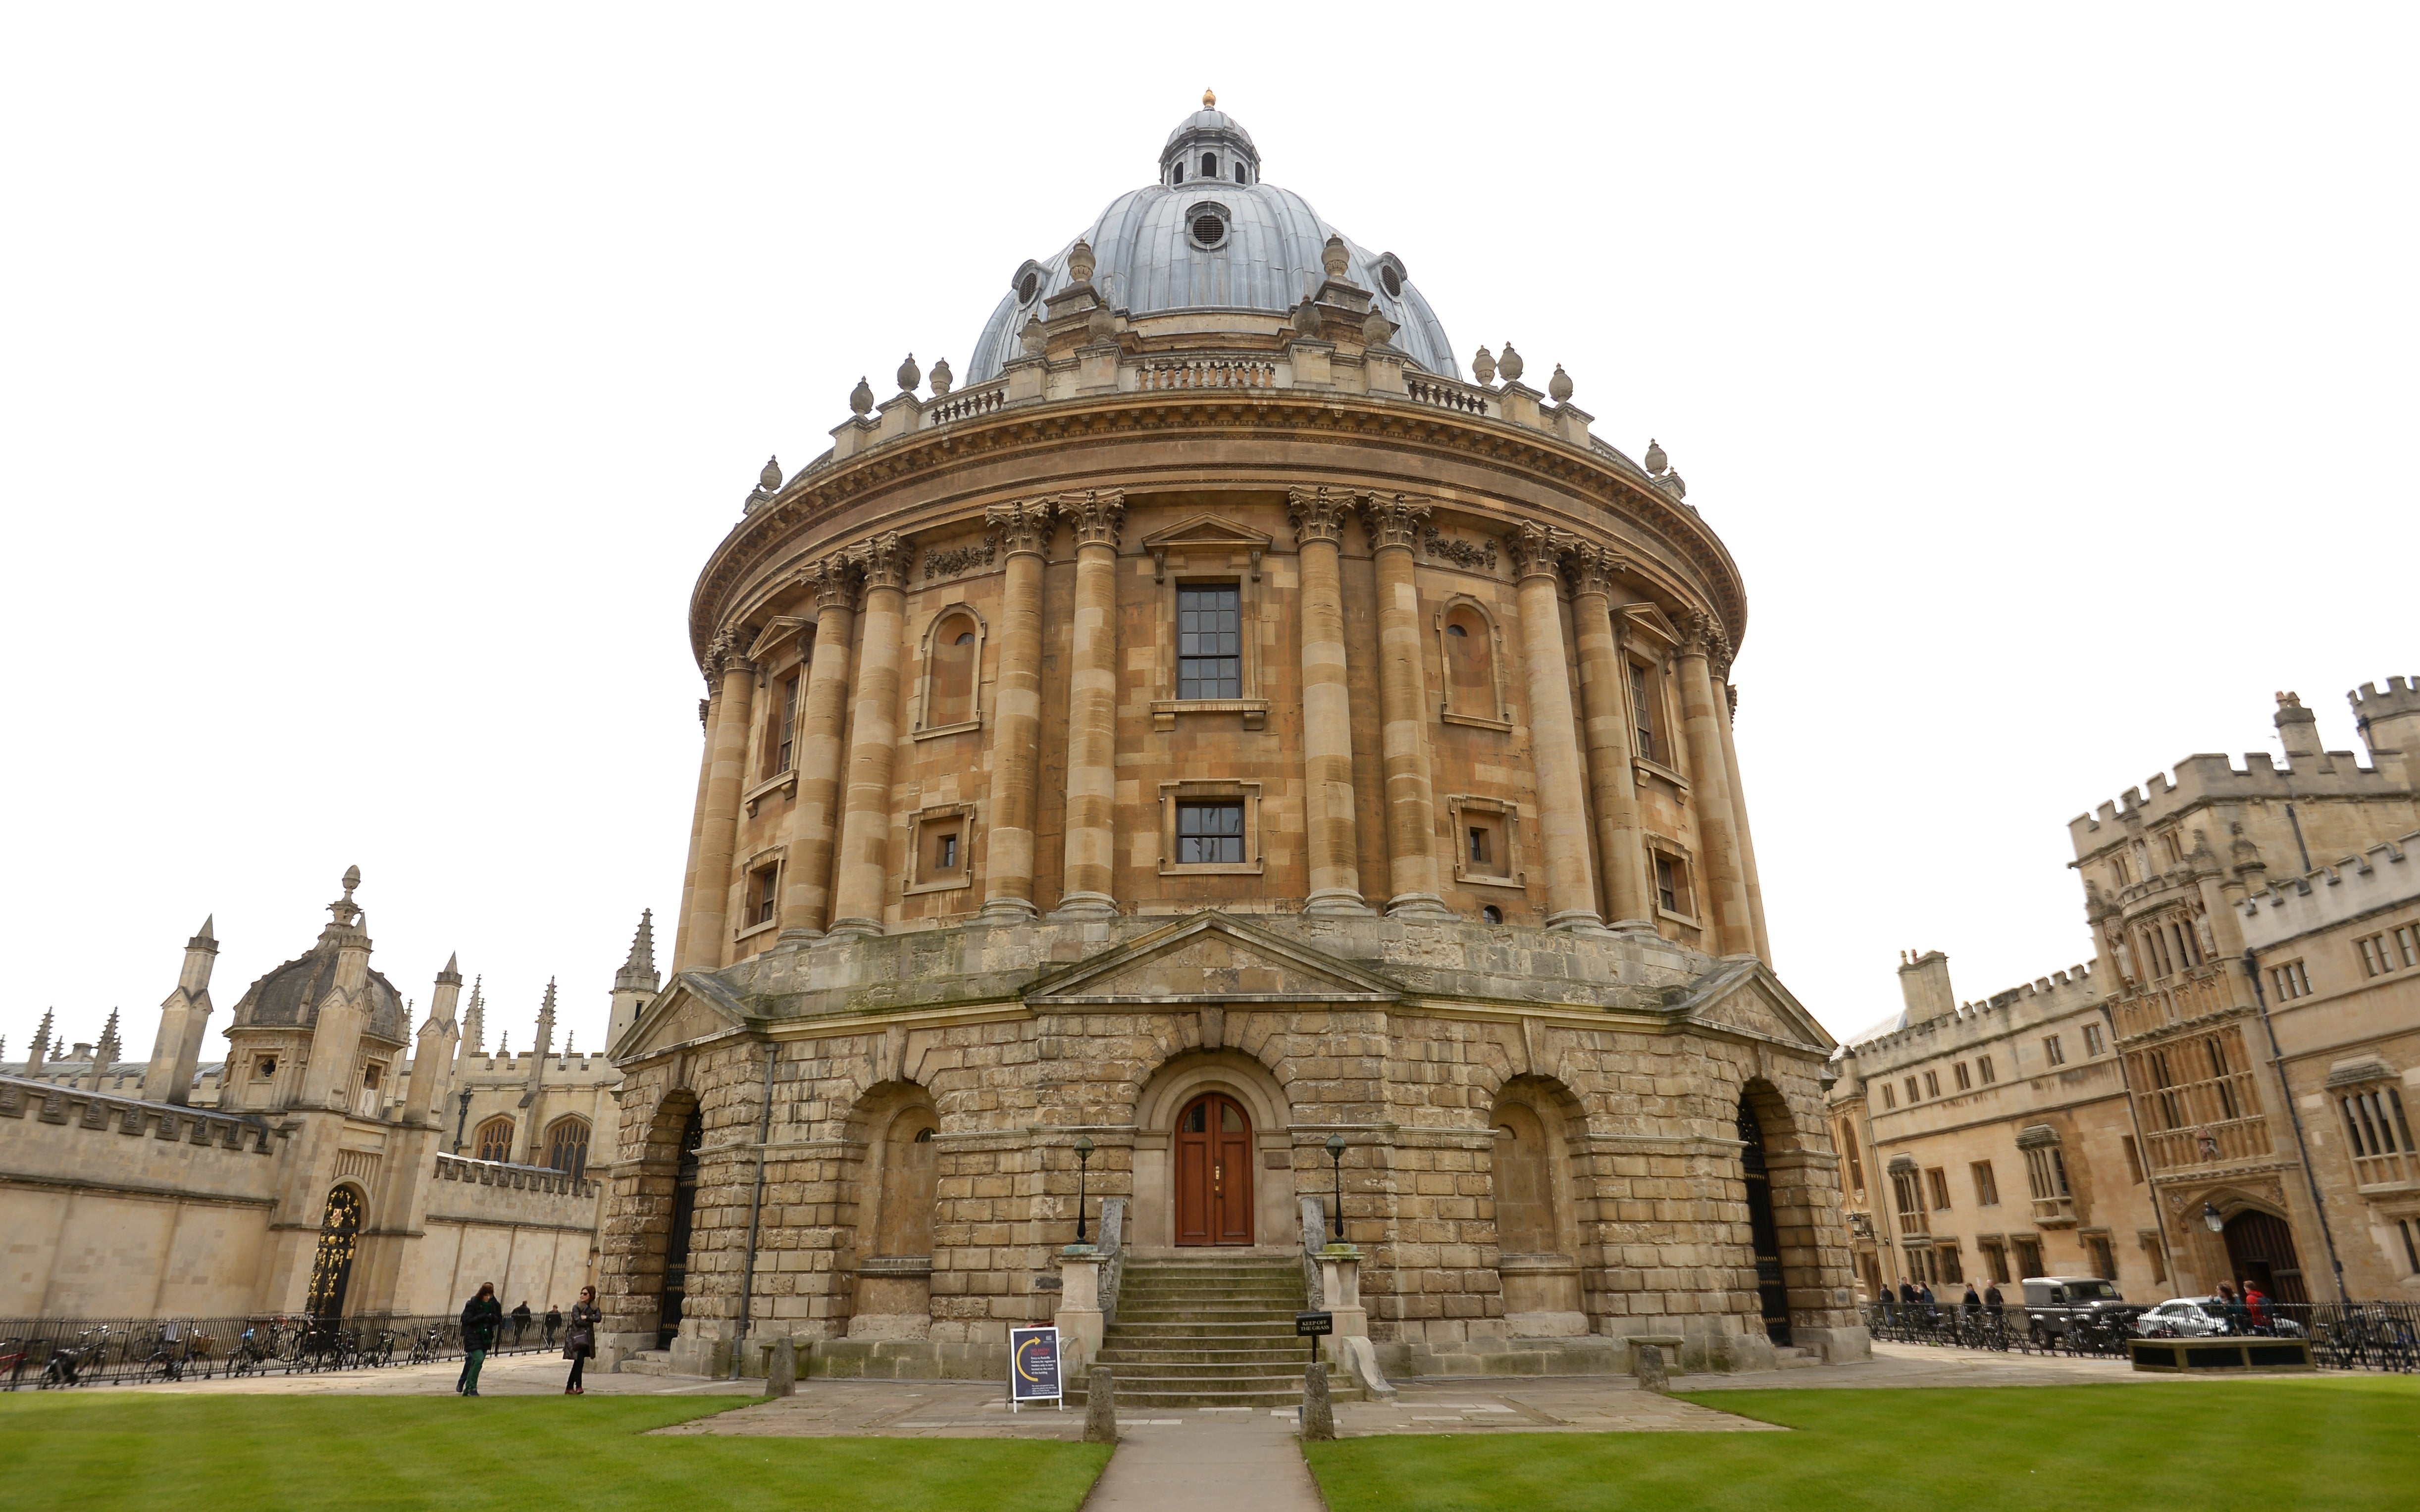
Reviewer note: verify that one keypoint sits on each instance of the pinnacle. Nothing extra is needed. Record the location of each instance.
(209, 930)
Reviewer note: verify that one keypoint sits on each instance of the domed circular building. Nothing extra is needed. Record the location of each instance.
(1221, 791)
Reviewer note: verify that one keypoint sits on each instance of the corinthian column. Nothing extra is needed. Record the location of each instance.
(1739, 817)
(1604, 707)
(1723, 886)
(865, 869)
(708, 709)
(1327, 825)
(710, 898)
(1554, 735)
(1394, 522)
(1095, 516)
(1025, 529)
(806, 875)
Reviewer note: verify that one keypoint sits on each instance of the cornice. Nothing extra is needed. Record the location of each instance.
(808, 499)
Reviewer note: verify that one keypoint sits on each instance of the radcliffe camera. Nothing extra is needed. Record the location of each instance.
(1166, 890)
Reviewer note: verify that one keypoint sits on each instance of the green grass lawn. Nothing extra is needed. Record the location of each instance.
(2202, 1446)
(75, 1450)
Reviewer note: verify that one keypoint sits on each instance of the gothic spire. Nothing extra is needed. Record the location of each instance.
(638, 973)
(546, 1020)
(41, 1047)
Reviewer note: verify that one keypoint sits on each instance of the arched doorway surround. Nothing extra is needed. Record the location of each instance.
(332, 1264)
(2260, 1250)
(676, 1235)
(1536, 1237)
(1764, 1242)
(1214, 1161)
(897, 1177)
(1164, 1096)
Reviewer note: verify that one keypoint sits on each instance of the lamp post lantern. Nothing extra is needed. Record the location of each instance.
(1336, 1161)
(1084, 1162)
(2211, 1219)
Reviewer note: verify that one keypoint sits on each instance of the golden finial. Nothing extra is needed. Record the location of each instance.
(1209, 99)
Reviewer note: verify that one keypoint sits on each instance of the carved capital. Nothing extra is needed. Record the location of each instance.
(1702, 636)
(833, 581)
(883, 560)
(1593, 569)
(1394, 520)
(1023, 525)
(723, 658)
(1095, 514)
(1318, 514)
(1537, 550)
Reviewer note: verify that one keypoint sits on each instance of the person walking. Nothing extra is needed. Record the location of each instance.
(2230, 1310)
(1972, 1304)
(580, 1343)
(553, 1323)
(482, 1316)
(521, 1315)
(2256, 1306)
(1992, 1302)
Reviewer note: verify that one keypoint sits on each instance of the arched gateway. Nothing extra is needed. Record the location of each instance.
(1213, 734)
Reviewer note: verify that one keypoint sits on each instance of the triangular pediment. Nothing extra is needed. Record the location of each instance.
(695, 1007)
(1205, 533)
(1745, 997)
(1649, 619)
(1211, 957)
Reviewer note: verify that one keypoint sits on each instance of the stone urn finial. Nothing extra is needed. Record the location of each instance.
(1559, 387)
(1655, 459)
(1510, 364)
(1102, 324)
(770, 478)
(1209, 99)
(860, 399)
(1376, 329)
(1334, 257)
(1080, 261)
(1308, 322)
(942, 378)
(1033, 337)
(910, 374)
(1482, 367)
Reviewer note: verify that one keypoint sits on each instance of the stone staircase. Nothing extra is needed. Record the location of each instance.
(646, 1363)
(1787, 1357)
(1217, 1332)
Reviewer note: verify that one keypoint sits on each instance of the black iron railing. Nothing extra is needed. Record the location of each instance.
(47, 1352)
(2374, 1335)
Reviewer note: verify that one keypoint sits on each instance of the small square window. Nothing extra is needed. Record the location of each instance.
(1210, 834)
(945, 850)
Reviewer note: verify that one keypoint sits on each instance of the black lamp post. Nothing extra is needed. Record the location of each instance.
(1083, 1160)
(460, 1119)
(1335, 1160)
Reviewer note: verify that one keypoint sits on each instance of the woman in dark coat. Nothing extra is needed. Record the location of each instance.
(580, 1342)
(481, 1317)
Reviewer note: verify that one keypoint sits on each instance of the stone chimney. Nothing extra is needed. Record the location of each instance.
(1924, 981)
(184, 1021)
(2297, 729)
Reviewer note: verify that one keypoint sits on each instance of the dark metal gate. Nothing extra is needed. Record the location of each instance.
(1765, 1235)
(676, 1242)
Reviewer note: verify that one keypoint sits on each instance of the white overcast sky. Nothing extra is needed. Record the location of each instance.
(374, 382)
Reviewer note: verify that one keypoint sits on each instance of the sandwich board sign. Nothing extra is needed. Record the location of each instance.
(1033, 1368)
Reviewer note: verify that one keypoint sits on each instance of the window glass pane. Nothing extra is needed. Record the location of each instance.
(1210, 834)
(1231, 1119)
(1209, 642)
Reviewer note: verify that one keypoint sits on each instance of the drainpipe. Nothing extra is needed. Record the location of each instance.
(2277, 1060)
(755, 1207)
(2295, 820)
(2143, 1152)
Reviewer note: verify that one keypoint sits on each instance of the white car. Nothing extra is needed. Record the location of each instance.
(2183, 1318)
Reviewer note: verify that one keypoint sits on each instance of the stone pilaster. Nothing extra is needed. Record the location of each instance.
(708, 934)
(1554, 734)
(1739, 817)
(873, 745)
(1330, 840)
(1394, 522)
(1605, 709)
(807, 873)
(1722, 888)
(1094, 516)
(1025, 529)
(708, 709)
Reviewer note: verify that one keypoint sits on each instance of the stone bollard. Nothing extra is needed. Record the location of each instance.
(1647, 1364)
(781, 1367)
(1318, 1413)
(1101, 1407)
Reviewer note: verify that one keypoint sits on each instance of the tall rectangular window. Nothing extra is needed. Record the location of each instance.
(2291, 982)
(2407, 944)
(2410, 1244)
(1996, 1254)
(1642, 711)
(1965, 1077)
(2373, 956)
(1672, 884)
(2092, 1041)
(788, 734)
(767, 898)
(2133, 1158)
(2029, 1257)
(2104, 1259)
(1933, 1084)
(1987, 1186)
(1210, 646)
(1983, 1069)
(1890, 1098)
(1938, 1179)
(1209, 834)
(2053, 1050)
(1913, 1095)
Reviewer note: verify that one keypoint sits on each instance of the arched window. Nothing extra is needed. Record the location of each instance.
(1209, 165)
(905, 1225)
(494, 1139)
(952, 688)
(566, 1146)
(1468, 650)
(1491, 914)
(1525, 1197)
(332, 1265)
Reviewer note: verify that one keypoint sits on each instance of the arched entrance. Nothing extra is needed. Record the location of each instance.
(1764, 1233)
(1214, 1172)
(677, 1240)
(2260, 1250)
(331, 1267)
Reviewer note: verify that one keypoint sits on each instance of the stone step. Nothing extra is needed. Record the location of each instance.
(1267, 1328)
(646, 1363)
(1199, 1351)
(1259, 1374)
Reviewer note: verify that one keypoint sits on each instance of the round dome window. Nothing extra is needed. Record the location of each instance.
(1208, 230)
(1026, 287)
(1392, 281)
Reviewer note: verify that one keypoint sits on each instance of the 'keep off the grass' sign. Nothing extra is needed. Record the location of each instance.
(1032, 1365)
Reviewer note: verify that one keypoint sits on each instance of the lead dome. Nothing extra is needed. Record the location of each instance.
(1213, 237)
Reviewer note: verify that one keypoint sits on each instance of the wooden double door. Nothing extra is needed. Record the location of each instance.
(1214, 1172)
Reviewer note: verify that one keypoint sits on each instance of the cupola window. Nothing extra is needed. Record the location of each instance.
(1209, 165)
(1179, 172)
(1026, 287)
